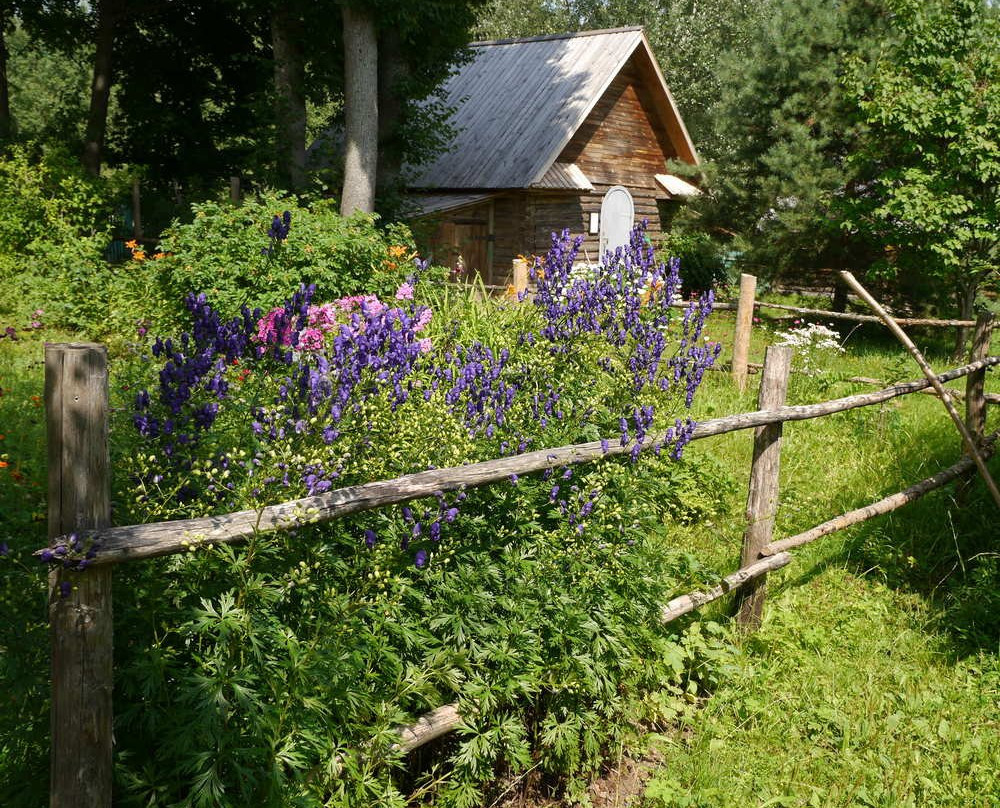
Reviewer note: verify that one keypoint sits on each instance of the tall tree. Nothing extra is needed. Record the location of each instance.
(931, 103)
(360, 110)
(50, 24)
(109, 15)
(287, 36)
(785, 131)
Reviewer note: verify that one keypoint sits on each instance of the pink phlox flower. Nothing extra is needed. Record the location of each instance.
(323, 317)
(347, 304)
(267, 329)
(372, 307)
(311, 339)
(424, 345)
(423, 320)
(404, 292)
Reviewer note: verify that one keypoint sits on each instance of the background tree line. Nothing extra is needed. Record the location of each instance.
(857, 134)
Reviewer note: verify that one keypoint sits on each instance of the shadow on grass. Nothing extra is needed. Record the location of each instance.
(947, 552)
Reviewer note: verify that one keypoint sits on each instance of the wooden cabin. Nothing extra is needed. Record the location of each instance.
(573, 130)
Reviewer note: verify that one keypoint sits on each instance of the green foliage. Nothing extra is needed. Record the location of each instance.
(24, 642)
(931, 102)
(52, 235)
(701, 258)
(784, 129)
(226, 253)
(49, 90)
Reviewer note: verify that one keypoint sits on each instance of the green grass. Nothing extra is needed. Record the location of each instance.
(874, 680)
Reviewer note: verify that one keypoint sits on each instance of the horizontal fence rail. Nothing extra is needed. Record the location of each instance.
(840, 315)
(134, 542)
(76, 412)
(447, 718)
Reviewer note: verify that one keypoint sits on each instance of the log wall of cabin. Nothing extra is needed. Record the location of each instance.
(622, 142)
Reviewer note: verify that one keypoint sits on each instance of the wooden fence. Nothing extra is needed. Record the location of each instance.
(80, 605)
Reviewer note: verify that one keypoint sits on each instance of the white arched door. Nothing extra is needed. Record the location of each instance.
(617, 215)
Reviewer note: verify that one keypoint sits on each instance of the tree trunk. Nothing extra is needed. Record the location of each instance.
(391, 72)
(6, 125)
(100, 87)
(290, 101)
(966, 295)
(360, 111)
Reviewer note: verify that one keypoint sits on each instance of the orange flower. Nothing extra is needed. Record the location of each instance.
(3, 464)
(132, 244)
(139, 255)
(395, 251)
(158, 256)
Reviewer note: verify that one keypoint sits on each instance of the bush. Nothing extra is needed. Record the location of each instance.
(701, 258)
(52, 234)
(273, 672)
(235, 256)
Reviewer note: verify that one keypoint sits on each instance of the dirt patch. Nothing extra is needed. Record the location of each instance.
(620, 787)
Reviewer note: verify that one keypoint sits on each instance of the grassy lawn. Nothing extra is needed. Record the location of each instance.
(874, 680)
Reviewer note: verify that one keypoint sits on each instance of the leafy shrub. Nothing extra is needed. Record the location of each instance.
(700, 255)
(273, 673)
(230, 254)
(52, 235)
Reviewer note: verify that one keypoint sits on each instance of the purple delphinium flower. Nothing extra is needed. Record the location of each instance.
(420, 559)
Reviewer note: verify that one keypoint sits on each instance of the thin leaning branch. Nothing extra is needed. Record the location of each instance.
(970, 442)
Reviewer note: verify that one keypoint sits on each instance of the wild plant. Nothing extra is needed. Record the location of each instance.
(272, 673)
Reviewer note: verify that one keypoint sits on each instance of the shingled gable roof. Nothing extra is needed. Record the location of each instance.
(519, 102)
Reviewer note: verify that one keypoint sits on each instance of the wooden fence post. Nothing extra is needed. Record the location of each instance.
(136, 209)
(975, 393)
(975, 382)
(762, 500)
(744, 324)
(520, 271)
(234, 190)
(76, 410)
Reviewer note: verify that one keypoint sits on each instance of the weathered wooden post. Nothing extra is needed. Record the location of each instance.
(136, 209)
(975, 393)
(76, 408)
(975, 382)
(744, 325)
(234, 190)
(762, 500)
(520, 272)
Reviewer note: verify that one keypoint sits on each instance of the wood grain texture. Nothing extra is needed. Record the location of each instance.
(975, 383)
(866, 318)
(762, 498)
(882, 506)
(688, 603)
(80, 618)
(428, 727)
(744, 325)
(145, 541)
